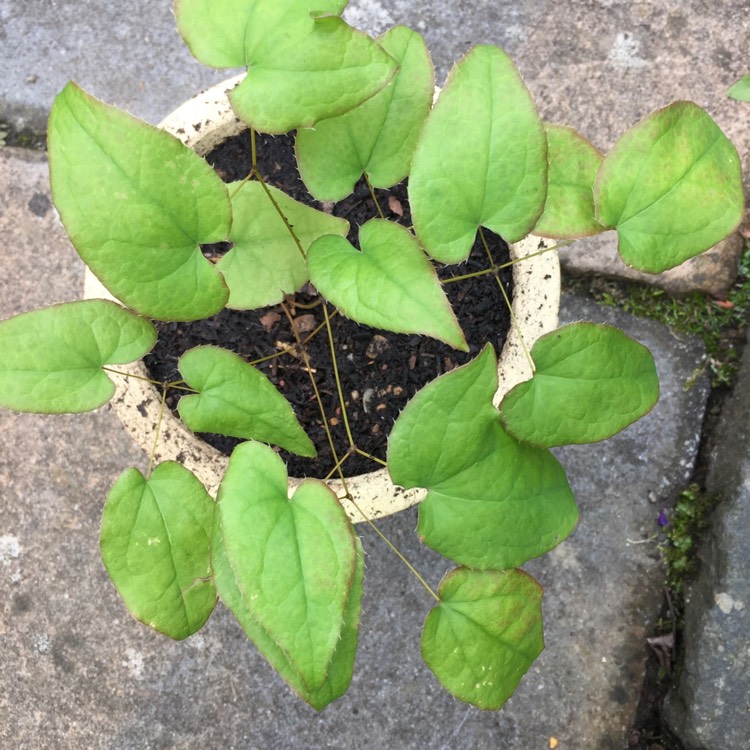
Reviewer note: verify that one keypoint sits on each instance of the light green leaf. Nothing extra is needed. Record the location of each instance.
(292, 561)
(51, 359)
(671, 186)
(391, 284)
(378, 137)
(342, 663)
(136, 203)
(591, 381)
(492, 502)
(573, 164)
(481, 159)
(741, 90)
(238, 400)
(266, 263)
(156, 546)
(303, 64)
(485, 634)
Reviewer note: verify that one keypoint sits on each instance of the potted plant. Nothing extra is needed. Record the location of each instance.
(138, 204)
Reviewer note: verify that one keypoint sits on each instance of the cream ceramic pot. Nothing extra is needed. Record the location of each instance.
(202, 123)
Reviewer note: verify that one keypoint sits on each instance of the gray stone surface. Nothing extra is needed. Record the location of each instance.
(76, 671)
(709, 707)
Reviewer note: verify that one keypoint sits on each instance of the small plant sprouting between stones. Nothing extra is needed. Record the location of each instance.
(137, 204)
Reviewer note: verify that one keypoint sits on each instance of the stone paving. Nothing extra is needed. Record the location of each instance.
(77, 671)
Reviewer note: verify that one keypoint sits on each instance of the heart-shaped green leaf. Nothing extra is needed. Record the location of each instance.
(590, 382)
(266, 262)
(238, 400)
(481, 159)
(671, 186)
(156, 546)
(293, 561)
(342, 663)
(51, 359)
(391, 284)
(492, 502)
(378, 137)
(485, 633)
(136, 203)
(303, 65)
(569, 208)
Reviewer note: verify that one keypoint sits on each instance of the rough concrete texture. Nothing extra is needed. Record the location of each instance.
(709, 707)
(76, 671)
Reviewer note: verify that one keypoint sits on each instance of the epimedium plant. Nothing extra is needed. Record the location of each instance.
(137, 204)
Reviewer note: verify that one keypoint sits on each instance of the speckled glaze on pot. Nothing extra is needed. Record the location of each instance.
(204, 122)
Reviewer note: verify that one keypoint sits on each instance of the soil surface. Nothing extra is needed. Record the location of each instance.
(379, 370)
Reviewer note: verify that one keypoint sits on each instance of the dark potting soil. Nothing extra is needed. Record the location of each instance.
(379, 370)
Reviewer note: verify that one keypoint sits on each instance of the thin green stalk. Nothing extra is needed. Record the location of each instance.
(374, 198)
(318, 398)
(280, 213)
(162, 407)
(393, 548)
(513, 319)
(336, 377)
(177, 384)
(544, 250)
(371, 457)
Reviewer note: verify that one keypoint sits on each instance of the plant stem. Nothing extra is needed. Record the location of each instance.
(336, 376)
(374, 197)
(318, 398)
(253, 151)
(280, 212)
(162, 407)
(544, 250)
(371, 457)
(393, 548)
(513, 319)
(177, 384)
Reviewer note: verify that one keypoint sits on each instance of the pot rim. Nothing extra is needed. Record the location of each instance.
(202, 123)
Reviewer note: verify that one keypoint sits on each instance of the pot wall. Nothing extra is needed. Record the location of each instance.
(204, 122)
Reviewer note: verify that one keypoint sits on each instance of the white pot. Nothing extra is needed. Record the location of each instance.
(202, 123)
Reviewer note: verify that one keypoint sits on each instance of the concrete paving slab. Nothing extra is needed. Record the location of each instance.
(709, 705)
(76, 671)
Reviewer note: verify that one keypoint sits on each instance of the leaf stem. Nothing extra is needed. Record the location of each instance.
(162, 407)
(318, 397)
(280, 212)
(513, 319)
(374, 197)
(337, 378)
(371, 457)
(544, 250)
(393, 548)
(177, 384)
